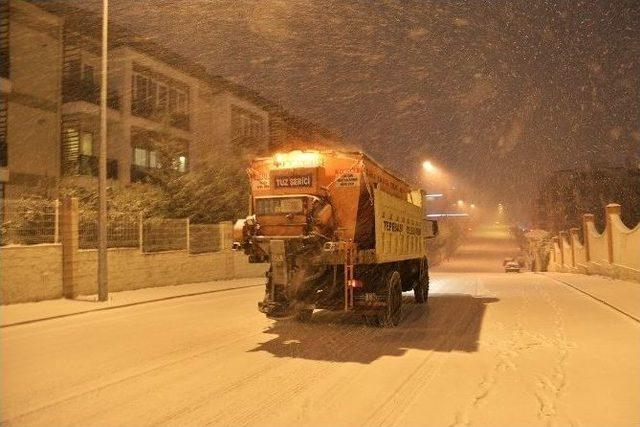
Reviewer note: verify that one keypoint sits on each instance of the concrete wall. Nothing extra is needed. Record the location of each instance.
(30, 273)
(626, 244)
(579, 252)
(34, 273)
(598, 251)
(614, 253)
(131, 269)
(565, 247)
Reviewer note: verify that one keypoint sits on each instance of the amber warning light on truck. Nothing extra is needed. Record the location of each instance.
(298, 159)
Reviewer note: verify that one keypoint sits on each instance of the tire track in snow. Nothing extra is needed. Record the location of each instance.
(122, 378)
(256, 411)
(332, 394)
(403, 396)
(293, 383)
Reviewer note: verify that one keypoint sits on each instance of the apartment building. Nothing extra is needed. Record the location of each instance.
(50, 112)
(30, 58)
(153, 94)
(5, 89)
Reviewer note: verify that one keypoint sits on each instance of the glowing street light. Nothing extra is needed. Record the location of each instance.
(429, 167)
(460, 203)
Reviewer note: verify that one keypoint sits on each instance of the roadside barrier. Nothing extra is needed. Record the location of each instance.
(615, 252)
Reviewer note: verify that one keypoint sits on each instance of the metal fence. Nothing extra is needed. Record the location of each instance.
(204, 238)
(33, 221)
(160, 234)
(29, 222)
(120, 234)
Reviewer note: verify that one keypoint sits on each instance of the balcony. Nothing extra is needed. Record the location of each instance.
(88, 165)
(81, 90)
(180, 121)
(146, 110)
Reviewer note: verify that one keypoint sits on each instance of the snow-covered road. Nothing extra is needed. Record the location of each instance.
(492, 349)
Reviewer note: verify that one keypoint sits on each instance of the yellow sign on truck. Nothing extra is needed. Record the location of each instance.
(340, 232)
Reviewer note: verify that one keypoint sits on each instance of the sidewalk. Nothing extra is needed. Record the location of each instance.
(622, 295)
(15, 314)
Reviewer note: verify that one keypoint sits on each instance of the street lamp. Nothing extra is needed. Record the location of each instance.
(103, 293)
(429, 167)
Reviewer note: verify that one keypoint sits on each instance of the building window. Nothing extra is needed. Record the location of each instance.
(79, 150)
(140, 157)
(145, 158)
(247, 128)
(153, 160)
(182, 164)
(86, 143)
(155, 97)
(152, 151)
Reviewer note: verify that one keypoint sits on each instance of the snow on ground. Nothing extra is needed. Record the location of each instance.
(493, 349)
(622, 294)
(26, 312)
(483, 251)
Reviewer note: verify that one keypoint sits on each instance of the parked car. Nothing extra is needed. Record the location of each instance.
(512, 266)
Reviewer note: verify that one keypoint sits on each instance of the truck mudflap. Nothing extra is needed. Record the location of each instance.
(280, 311)
(275, 310)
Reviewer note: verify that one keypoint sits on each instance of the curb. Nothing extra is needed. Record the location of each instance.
(630, 316)
(60, 316)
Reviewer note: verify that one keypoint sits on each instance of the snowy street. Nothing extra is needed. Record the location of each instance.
(492, 349)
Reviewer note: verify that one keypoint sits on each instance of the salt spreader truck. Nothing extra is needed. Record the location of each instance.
(339, 231)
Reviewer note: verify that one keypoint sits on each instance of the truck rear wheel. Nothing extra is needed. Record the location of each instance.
(421, 289)
(393, 310)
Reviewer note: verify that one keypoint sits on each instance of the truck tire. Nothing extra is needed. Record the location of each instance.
(421, 290)
(393, 311)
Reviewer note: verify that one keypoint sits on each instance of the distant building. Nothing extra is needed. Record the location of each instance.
(567, 194)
